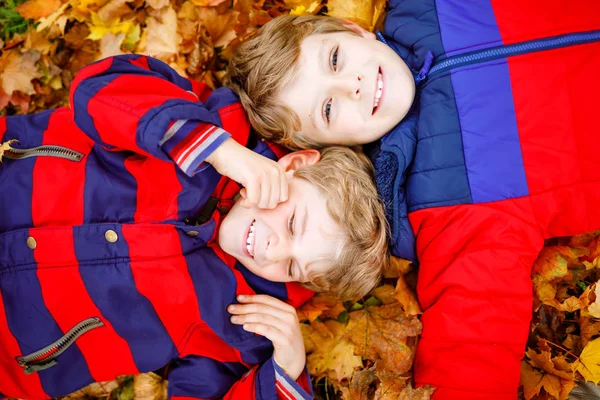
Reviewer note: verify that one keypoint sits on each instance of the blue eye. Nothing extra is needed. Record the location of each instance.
(327, 110)
(334, 58)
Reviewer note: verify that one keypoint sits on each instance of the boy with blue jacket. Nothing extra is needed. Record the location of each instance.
(124, 246)
(482, 115)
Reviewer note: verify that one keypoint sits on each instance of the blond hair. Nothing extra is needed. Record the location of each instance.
(345, 177)
(266, 63)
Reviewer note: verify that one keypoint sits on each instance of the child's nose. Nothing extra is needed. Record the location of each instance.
(350, 85)
(277, 248)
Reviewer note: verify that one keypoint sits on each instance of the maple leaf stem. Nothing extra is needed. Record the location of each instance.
(560, 347)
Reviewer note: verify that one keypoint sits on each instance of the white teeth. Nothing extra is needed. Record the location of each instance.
(379, 90)
(250, 240)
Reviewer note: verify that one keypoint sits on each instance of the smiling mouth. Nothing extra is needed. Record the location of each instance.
(378, 91)
(250, 240)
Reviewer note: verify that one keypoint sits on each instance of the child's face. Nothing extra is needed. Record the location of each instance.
(285, 243)
(336, 92)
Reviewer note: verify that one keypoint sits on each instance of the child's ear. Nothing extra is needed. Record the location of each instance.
(294, 161)
(354, 27)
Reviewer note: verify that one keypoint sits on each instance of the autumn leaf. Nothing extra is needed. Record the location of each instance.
(594, 308)
(318, 305)
(330, 356)
(588, 364)
(18, 72)
(160, 38)
(385, 333)
(149, 386)
(36, 9)
(407, 297)
(544, 361)
(363, 12)
(553, 262)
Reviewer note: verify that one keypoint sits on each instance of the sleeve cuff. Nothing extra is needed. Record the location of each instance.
(287, 388)
(188, 143)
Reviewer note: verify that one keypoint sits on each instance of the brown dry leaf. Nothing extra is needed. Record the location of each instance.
(543, 360)
(530, 380)
(157, 4)
(18, 72)
(396, 267)
(360, 384)
(594, 308)
(363, 12)
(330, 356)
(160, 38)
(114, 10)
(566, 387)
(149, 386)
(385, 333)
(36, 9)
(110, 45)
(55, 19)
(407, 297)
(588, 330)
(553, 262)
(385, 294)
(320, 303)
(545, 291)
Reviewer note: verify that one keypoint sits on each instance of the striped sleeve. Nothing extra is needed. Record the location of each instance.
(140, 104)
(196, 377)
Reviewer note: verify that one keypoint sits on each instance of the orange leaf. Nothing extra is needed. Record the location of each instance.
(407, 297)
(36, 9)
(553, 262)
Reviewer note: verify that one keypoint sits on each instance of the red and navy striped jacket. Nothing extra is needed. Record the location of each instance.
(103, 270)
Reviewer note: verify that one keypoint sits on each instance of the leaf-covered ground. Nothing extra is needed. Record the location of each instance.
(361, 350)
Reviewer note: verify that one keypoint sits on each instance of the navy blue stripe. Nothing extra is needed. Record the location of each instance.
(195, 191)
(202, 377)
(261, 285)
(110, 190)
(107, 275)
(169, 73)
(16, 176)
(215, 287)
(31, 323)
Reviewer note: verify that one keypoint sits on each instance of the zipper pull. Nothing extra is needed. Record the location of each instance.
(426, 67)
(30, 369)
(6, 147)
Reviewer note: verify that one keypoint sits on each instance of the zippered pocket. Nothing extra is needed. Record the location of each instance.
(46, 357)
(46, 150)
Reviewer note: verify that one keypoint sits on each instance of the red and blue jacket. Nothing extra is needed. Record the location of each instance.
(105, 269)
(497, 153)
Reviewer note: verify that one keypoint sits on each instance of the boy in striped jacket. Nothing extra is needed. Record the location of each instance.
(125, 246)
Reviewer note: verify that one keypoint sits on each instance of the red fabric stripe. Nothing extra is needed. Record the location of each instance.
(558, 125)
(141, 62)
(298, 294)
(203, 131)
(282, 392)
(201, 89)
(13, 381)
(520, 20)
(106, 353)
(157, 188)
(204, 342)
(2, 128)
(235, 121)
(161, 275)
(57, 194)
(121, 101)
(90, 70)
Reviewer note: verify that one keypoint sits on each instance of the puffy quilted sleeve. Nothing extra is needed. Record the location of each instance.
(475, 290)
(196, 377)
(140, 104)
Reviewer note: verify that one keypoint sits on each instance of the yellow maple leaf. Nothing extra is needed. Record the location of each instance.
(330, 356)
(316, 306)
(302, 9)
(407, 297)
(99, 28)
(19, 71)
(588, 364)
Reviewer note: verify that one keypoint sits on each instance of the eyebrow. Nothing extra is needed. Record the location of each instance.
(322, 66)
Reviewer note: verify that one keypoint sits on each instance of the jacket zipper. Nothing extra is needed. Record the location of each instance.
(532, 46)
(46, 150)
(46, 357)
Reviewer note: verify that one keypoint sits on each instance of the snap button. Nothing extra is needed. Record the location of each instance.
(193, 233)
(31, 243)
(111, 236)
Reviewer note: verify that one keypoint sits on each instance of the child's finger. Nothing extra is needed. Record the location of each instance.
(252, 195)
(260, 318)
(283, 184)
(275, 193)
(276, 336)
(266, 299)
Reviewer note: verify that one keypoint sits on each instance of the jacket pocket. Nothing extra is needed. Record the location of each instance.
(46, 357)
(43, 151)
